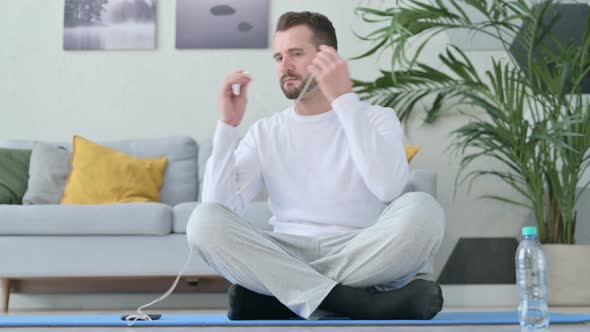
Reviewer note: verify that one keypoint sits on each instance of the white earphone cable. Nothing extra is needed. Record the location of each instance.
(131, 319)
(140, 315)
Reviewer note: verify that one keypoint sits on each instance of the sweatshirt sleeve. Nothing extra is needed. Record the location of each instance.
(375, 140)
(233, 174)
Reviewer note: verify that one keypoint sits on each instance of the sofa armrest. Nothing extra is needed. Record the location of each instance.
(423, 180)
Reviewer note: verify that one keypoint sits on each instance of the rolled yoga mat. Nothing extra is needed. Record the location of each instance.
(444, 318)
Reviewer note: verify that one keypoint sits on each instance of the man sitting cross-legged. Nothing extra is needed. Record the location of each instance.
(334, 167)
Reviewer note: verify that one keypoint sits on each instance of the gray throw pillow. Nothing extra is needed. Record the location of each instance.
(48, 172)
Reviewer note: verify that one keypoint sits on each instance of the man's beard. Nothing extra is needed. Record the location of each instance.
(292, 92)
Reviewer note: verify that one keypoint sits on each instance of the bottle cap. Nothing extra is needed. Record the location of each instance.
(529, 230)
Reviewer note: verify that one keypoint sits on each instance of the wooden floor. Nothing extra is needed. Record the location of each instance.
(478, 328)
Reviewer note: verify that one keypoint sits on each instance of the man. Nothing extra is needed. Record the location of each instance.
(330, 164)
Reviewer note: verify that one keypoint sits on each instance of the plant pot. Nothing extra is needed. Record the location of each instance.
(568, 273)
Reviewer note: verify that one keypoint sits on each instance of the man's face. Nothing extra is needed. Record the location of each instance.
(293, 52)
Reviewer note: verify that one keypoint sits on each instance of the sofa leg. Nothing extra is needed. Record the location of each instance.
(5, 294)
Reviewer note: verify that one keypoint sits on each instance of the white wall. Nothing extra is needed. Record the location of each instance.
(50, 94)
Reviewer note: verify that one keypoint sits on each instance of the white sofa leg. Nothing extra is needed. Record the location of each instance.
(5, 294)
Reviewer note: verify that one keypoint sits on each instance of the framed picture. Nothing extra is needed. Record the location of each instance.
(222, 24)
(109, 24)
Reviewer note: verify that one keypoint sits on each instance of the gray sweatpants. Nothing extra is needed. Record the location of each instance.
(300, 271)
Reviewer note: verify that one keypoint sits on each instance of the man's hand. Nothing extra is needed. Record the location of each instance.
(331, 73)
(232, 107)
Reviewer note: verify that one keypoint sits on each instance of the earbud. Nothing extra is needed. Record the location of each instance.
(236, 89)
(236, 86)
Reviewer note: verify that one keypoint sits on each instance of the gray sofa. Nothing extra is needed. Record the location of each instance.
(122, 240)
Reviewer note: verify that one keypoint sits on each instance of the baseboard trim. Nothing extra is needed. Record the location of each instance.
(480, 295)
(456, 296)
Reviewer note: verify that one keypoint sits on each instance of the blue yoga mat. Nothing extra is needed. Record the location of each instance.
(444, 318)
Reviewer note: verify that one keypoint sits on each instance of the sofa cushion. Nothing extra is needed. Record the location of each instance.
(257, 214)
(105, 219)
(48, 172)
(181, 175)
(128, 255)
(180, 215)
(101, 175)
(14, 167)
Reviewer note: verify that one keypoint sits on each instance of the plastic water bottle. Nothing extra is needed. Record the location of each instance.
(531, 280)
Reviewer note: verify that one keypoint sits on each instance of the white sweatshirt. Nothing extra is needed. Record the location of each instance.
(325, 174)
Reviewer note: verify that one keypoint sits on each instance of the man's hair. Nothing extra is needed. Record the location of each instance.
(321, 27)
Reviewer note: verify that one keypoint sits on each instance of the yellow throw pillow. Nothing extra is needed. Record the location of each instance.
(411, 151)
(101, 175)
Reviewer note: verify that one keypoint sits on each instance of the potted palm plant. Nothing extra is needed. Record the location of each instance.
(527, 111)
